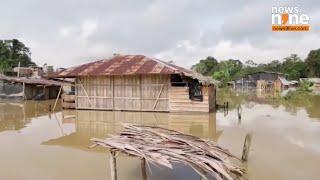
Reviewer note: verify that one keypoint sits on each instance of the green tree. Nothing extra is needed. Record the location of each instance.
(231, 69)
(12, 52)
(294, 67)
(274, 66)
(250, 67)
(313, 63)
(206, 66)
(228, 70)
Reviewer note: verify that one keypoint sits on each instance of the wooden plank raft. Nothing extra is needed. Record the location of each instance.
(162, 146)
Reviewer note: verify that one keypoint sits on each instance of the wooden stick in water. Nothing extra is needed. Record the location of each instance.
(143, 169)
(113, 165)
(246, 147)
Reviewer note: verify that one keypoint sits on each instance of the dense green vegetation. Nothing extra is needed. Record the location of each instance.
(293, 66)
(11, 53)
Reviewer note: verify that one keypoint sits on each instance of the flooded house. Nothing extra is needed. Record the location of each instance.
(140, 83)
(263, 80)
(28, 88)
(30, 72)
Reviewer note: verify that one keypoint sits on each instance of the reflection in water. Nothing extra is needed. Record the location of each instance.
(308, 102)
(285, 133)
(285, 138)
(15, 115)
(100, 124)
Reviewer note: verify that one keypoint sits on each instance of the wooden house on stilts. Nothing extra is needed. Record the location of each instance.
(140, 83)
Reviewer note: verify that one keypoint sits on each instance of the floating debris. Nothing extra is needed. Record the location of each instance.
(162, 146)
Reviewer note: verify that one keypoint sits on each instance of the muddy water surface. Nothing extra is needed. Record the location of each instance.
(38, 145)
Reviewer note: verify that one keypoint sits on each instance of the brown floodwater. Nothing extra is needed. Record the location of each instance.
(36, 144)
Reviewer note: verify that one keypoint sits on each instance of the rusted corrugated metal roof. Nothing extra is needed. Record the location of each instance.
(33, 81)
(127, 65)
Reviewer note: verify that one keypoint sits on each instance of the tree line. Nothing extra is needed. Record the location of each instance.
(293, 66)
(13, 52)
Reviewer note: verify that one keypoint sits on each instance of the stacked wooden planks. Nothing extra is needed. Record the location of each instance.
(68, 101)
(180, 101)
(162, 146)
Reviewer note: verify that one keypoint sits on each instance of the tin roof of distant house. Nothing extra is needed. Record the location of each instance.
(284, 81)
(130, 65)
(33, 81)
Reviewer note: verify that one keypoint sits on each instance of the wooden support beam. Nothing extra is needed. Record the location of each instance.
(55, 103)
(113, 165)
(85, 91)
(159, 95)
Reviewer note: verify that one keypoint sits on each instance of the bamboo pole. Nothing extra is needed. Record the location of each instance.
(246, 147)
(143, 169)
(113, 165)
(55, 103)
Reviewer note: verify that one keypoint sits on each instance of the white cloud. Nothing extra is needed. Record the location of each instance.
(88, 28)
(62, 34)
(66, 31)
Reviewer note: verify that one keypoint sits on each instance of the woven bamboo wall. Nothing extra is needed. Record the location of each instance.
(134, 93)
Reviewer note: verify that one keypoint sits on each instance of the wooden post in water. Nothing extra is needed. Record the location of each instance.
(246, 147)
(113, 165)
(239, 110)
(143, 169)
(227, 107)
(49, 111)
(23, 91)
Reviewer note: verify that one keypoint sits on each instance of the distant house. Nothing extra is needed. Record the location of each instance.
(262, 80)
(32, 71)
(23, 71)
(140, 83)
(28, 88)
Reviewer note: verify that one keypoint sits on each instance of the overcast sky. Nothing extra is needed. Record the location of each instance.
(69, 32)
